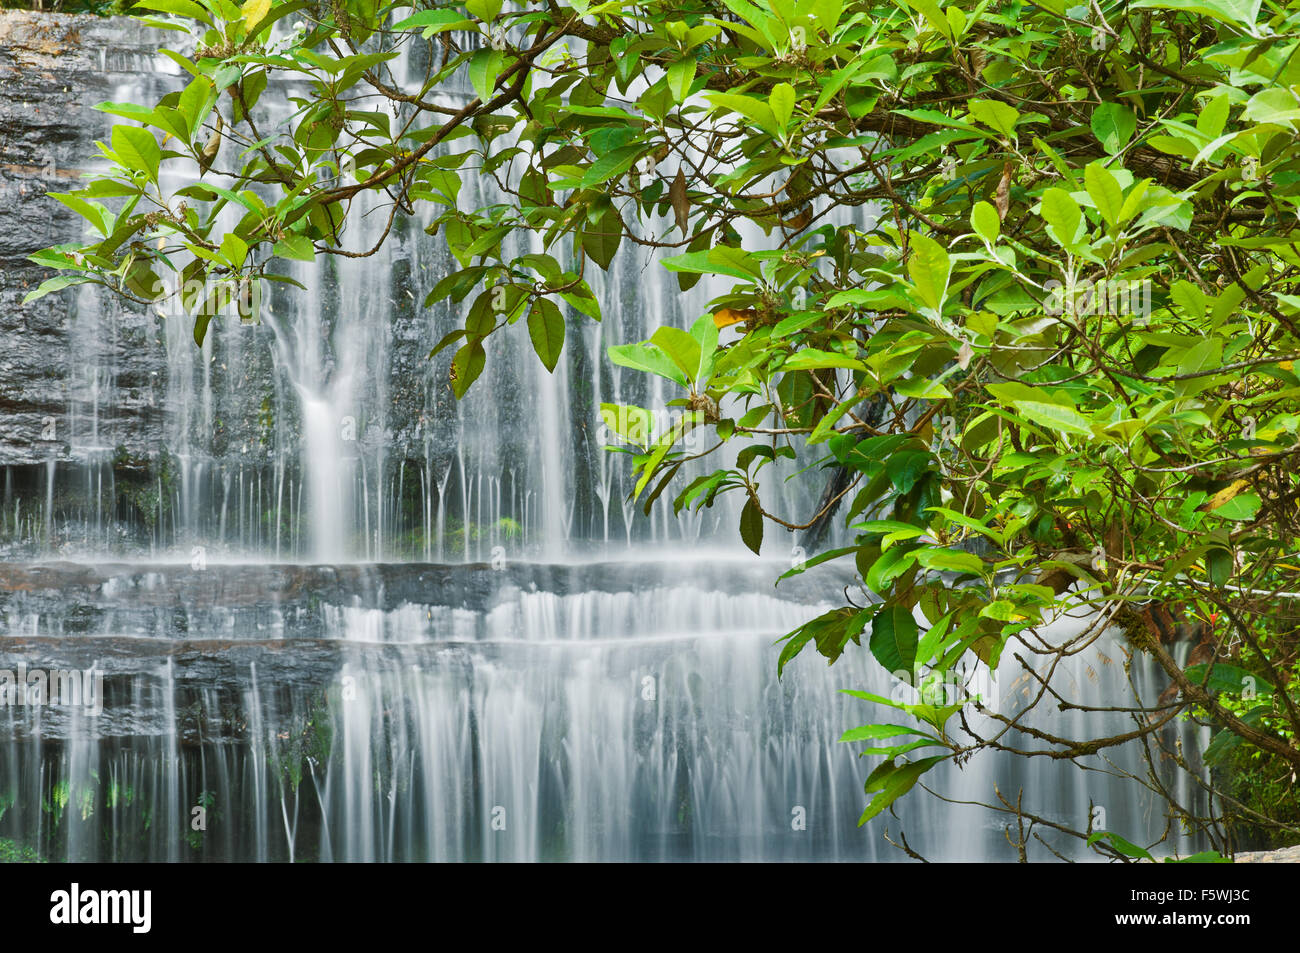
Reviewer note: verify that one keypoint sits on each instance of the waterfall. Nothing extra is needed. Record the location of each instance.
(322, 459)
(342, 616)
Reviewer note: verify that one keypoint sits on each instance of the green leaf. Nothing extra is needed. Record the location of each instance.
(1219, 566)
(756, 111)
(143, 281)
(92, 212)
(720, 260)
(182, 8)
(201, 322)
(751, 526)
(894, 783)
(893, 751)
(890, 529)
(922, 388)
(876, 732)
(681, 347)
(933, 15)
(485, 10)
(612, 165)
(996, 115)
(950, 560)
(466, 367)
(831, 631)
(600, 242)
(196, 102)
(633, 424)
(984, 219)
(664, 444)
(933, 639)
(546, 328)
(1120, 844)
(1054, 416)
(297, 247)
(1002, 610)
(1239, 13)
(781, 100)
(1113, 124)
(448, 339)
(1063, 216)
(1201, 357)
(1202, 857)
(484, 67)
(894, 638)
(705, 334)
(1226, 741)
(1228, 678)
(906, 467)
(137, 149)
(1105, 192)
(234, 249)
(1213, 115)
(680, 77)
(56, 283)
(1273, 104)
(643, 357)
(929, 268)
(811, 359)
(435, 21)
(1243, 507)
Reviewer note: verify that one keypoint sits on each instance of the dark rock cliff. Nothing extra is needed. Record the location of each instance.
(53, 69)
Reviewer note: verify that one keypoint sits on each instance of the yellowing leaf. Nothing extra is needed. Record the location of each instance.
(729, 316)
(1223, 496)
(255, 11)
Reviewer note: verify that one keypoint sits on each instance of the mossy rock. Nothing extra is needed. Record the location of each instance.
(11, 852)
(1261, 782)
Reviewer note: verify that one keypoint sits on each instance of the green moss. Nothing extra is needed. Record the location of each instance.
(461, 535)
(12, 852)
(265, 422)
(308, 738)
(1263, 783)
(144, 487)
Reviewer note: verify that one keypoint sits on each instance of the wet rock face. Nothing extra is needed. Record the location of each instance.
(53, 69)
(231, 602)
(1286, 855)
(91, 384)
(178, 648)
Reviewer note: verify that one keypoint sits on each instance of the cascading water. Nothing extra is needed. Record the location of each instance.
(344, 617)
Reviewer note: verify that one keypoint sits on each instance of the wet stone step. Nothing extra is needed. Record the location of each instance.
(383, 602)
